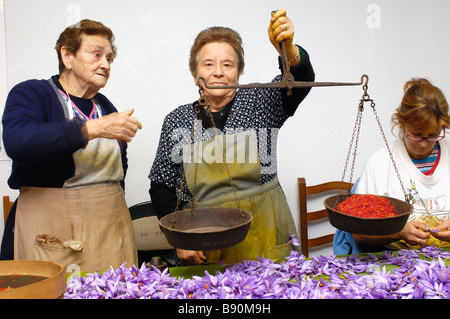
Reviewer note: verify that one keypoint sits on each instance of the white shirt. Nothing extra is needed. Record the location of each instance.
(430, 195)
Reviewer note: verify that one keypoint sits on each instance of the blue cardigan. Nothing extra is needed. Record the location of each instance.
(39, 139)
(40, 142)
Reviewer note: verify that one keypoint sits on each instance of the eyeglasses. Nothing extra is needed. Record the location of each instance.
(416, 138)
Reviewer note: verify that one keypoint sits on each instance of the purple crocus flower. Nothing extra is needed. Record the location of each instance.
(404, 274)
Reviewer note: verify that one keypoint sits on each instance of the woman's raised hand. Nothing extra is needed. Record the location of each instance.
(118, 126)
(281, 29)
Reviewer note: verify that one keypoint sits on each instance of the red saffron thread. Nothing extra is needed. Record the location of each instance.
(367, 206)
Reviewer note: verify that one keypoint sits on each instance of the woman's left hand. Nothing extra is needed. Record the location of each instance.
(191, 257)
(442, 231)
(281, 29)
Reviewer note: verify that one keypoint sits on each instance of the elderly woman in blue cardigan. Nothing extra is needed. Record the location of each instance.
(68, 147)
(244, 126)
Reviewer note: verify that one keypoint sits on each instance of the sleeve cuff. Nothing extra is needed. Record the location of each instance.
(303, 60)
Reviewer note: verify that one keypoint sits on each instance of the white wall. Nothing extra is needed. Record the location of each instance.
(391, 41)
(5, 162)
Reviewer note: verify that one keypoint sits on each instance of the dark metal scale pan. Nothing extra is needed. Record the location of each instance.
(368, 226)
(207, 228)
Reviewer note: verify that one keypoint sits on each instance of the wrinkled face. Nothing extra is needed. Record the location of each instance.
(217, 63)
(91, 64)
(416, 148)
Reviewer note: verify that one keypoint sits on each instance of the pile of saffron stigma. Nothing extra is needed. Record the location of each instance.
(367, 206)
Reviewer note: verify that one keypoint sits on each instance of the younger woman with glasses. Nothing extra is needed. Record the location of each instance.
(422, 157)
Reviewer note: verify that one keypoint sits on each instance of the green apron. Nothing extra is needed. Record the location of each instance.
(208, 179)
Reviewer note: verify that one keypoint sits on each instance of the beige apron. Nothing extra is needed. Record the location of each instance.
(83, 228)
(272, 223)
(86, 224)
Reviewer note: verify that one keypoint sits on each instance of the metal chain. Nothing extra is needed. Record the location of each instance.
(183, 176)
(238, 203)
(355, 136)
(202, 103)
(372, 104)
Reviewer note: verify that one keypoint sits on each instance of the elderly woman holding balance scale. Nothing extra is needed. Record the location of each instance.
(252, 118)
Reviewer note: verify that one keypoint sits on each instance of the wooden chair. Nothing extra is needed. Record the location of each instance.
(7, 204)
(306, 216)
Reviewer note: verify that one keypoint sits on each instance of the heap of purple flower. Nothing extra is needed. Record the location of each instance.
(413, 274)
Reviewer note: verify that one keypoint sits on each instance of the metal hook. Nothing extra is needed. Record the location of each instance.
(365, 81)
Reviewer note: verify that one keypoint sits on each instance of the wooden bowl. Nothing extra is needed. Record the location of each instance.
(53, 286)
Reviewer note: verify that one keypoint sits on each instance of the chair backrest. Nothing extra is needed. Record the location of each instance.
(305, 216)
(146, 228)
(7, 204)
